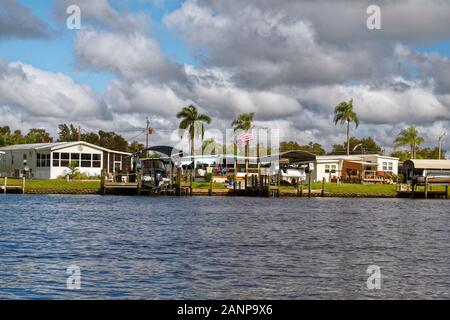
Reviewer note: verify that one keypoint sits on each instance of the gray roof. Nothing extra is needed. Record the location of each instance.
(32, 146)
(55, 146)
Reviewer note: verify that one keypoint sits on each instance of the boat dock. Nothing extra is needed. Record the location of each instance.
(5, 187)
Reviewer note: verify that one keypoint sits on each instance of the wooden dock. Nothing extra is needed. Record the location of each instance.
(9, 188)
(411, 191)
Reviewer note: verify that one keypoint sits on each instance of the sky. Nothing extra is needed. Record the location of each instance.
(288, 61)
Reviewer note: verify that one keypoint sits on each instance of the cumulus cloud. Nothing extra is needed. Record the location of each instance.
(269, 45)
(37, 93)
(132, 56)
(140, 97)
(18, 21)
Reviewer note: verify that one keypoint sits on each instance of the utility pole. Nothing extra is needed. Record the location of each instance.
(440, 143)
(79, 133)
(146, 135)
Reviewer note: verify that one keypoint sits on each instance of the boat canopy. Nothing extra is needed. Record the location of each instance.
(427, 164)
(166, 150)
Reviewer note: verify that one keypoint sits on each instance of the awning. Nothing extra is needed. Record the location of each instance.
(364, 163)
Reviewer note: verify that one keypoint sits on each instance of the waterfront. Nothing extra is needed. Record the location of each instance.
(222, 247)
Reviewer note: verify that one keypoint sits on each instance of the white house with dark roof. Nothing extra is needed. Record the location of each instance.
(50, 160)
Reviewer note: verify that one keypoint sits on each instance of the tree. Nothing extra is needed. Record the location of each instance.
(113, 141)
(409, 137)
(344, 114)
(38, 136)
(429, 153)
(193, 122)
(109, 140)
(243, 122)
(402, 155)
(67, 133)
(210, 146)
(312, 147)
(358, 146)
(135, 146)
(34, 136)
(5, 136)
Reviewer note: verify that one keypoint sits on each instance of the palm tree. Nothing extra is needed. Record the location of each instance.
(344, 114)
(244, 122)
(210, 144)
(409, 137)
(193, 122)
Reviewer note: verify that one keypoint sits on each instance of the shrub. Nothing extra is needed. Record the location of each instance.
(208, 176)
(72, 170)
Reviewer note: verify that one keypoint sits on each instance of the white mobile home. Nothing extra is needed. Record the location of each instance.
(366, 167)
(50, 160)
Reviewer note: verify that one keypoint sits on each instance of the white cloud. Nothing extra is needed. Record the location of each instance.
(38, 93)
(143, 98)
(131, 55)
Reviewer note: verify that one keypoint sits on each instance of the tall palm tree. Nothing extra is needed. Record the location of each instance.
(194, 123)
(344, 114)
(244, 122)
(409, 137)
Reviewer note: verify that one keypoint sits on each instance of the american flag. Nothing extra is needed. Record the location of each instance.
(246, 137)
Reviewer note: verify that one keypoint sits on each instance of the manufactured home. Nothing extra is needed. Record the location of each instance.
(354, 168)
(363, 167)
(51, 160)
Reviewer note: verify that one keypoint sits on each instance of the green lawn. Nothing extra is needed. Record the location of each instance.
(350, 188)
(329, 187)
(55, 184)
(205, 185)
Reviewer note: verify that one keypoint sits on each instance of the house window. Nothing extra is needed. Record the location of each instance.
(391, 166)
(327, 168)
(65, 157)
(75, 158)
(96, 160)
(42, 160)
(385, 167)
(333, 168)
(86, 160)
(56, 159)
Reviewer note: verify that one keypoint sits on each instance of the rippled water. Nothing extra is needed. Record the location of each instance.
(227, 248)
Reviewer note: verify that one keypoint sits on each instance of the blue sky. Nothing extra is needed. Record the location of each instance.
(56, 53)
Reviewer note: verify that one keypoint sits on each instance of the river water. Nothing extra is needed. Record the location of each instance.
(223, 248)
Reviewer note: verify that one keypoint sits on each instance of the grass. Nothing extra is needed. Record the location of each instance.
(329, 187)
(205, 185)
(350, 188)
(55, 184)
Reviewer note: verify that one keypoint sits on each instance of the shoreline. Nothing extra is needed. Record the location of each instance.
(217, 193)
